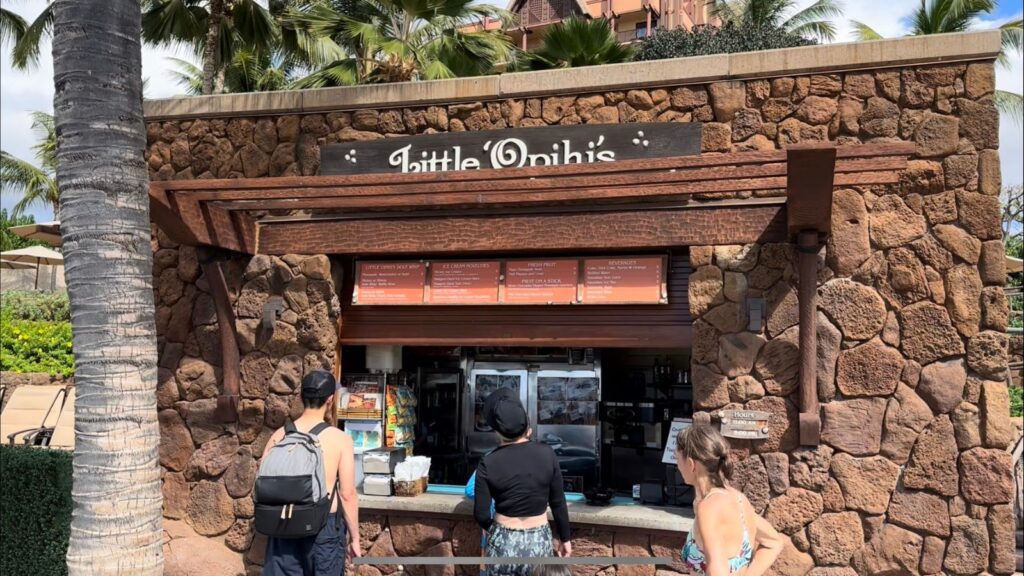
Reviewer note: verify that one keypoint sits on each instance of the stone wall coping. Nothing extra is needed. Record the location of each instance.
(959, 47)
(634, 517)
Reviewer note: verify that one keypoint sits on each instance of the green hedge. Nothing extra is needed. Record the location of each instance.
(706, 39)
(1016, 401)
(27, 346)
(35, 510)
(37, 306)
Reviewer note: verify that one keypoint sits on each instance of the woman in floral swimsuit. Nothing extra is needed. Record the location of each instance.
(729, 537)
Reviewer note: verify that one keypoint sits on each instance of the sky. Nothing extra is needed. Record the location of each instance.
(21, 93)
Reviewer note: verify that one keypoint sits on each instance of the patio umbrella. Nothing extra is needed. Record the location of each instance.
(37, 255)
(1014, 264)
(48, 232)
(7, 264)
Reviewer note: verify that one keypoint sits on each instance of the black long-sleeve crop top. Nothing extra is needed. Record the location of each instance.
(523, 480)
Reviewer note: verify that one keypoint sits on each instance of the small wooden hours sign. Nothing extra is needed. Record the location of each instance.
(744, 424)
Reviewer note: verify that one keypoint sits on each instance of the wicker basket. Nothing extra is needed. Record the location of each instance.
(410, 488)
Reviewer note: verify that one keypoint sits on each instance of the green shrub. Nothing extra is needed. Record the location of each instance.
(35, 510)
(36, 347)
(705, 40)
(1016, 401)
(39, 306)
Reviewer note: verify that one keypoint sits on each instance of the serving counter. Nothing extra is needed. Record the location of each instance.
(440, 523)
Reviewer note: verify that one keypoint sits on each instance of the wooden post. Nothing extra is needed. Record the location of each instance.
(808, 246)
(227, 402)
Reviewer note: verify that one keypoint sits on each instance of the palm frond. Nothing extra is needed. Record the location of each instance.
(1012, 34)
(187, 75)
(863, 32)
(816, 20)
(12, 26)
(1011, 104)
(173, 23)
(34, 185)
(46, 148)
(25, 54)
(339, 73)
(253, 24)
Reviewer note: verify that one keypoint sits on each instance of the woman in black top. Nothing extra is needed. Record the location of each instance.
(523, 479)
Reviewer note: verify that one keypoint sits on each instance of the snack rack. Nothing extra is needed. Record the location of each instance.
(400, 416)
(360, 409)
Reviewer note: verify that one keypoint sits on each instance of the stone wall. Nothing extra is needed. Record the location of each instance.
(912, 476)
(209, 467)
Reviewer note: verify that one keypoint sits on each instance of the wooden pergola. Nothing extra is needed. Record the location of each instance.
(712, 199)
(633, 203)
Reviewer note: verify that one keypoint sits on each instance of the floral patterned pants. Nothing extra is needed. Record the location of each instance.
(504, 542)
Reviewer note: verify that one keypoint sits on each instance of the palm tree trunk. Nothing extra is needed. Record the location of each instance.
(104, 212)
(210, 60)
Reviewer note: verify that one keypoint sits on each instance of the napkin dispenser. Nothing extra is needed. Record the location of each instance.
(377, 485)
(382, 460)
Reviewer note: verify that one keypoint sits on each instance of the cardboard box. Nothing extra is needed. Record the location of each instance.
(382, 460)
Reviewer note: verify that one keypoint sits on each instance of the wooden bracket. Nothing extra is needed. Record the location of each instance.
(808, 245)
(227, 402)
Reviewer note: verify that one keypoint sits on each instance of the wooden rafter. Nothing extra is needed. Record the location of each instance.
(223, 212)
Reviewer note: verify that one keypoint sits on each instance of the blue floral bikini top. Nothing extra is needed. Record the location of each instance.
(694, 556)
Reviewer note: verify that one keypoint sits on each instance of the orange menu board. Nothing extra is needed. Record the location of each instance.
(390, 283)
(623, 280)
(541, 281)
(464, 282)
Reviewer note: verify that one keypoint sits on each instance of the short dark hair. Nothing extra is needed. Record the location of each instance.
(317, 387)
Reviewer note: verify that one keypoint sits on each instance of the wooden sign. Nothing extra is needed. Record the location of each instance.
(512, 148)
(541, 281)
(745, 424)
(389, 283)
(624, 280)
(464, 283)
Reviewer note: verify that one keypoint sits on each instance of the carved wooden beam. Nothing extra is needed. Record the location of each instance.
(227, 402)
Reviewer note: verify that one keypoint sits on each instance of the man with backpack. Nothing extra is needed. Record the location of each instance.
(305, 495)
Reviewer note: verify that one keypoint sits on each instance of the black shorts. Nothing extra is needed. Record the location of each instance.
(320, 555)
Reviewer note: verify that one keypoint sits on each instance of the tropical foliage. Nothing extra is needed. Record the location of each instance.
(945, 16)
(35, 306)
(12, 26)
(27, 346)
(10, 240)
(813, 22)
(35, 183)
(579, 42)
(215, 30)
(704, 40)
(397, 40)
(28, 37)
(248, 71)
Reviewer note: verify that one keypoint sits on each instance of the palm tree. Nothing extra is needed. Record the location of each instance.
(944, 16)
(813, 22)
(214, 29)
(104, 213)
(399, 40)
(35, 184)
(579, 42)
(248, 71)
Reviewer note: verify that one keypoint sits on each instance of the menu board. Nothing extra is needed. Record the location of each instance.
(389, 283)
(464, 283)
(624, 280)
(541, 281)
(519, 282)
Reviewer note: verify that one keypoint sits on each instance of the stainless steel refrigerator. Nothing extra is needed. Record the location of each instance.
(562, 402)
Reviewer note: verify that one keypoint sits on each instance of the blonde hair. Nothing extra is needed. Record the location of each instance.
(705, 444)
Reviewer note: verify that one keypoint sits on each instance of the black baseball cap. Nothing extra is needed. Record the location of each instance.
(318, 384)
(505, 413)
